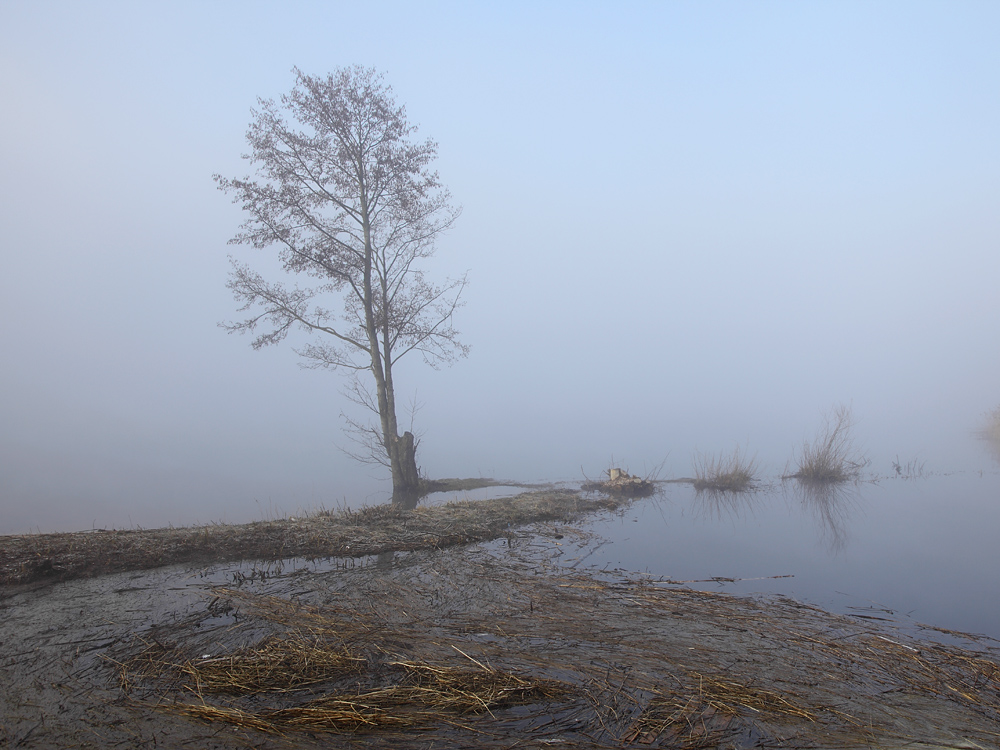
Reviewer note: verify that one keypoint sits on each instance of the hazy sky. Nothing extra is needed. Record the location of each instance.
(687, 225)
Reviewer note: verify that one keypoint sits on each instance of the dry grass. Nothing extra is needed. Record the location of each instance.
(706, 707)
(423, 695)
(350, 663)
(734, 473)
(832, 457)
(49, 558)
(592, 663)
(276, 664)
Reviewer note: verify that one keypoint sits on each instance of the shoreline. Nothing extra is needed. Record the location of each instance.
(225, 654)
(42, 559)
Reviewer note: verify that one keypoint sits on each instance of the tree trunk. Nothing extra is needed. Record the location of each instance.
(405, 479)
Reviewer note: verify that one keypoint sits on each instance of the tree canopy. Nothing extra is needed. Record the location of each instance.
(348, 201)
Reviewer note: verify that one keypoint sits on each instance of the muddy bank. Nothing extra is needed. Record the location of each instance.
(49, 558)
(543, 653)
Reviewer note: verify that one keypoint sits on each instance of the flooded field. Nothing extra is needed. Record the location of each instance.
(914, 550)
(796, 615)
(909, 550)
(478, 645)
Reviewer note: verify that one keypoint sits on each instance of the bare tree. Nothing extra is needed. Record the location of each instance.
(349, 203)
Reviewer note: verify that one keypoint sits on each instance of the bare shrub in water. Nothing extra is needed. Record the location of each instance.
(735, 473)
(911, 470)
(991, 429)
(832, 456)
(989, 433)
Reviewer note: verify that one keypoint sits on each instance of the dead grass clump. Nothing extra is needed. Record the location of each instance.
(735, 473)
(705, 709)
(467, 690)
(424, 695)
(342, 715)
(359, 688)
(832, 457)
(277, 664)
(428, 694)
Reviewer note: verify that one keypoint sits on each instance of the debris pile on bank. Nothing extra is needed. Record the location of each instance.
(620, 484)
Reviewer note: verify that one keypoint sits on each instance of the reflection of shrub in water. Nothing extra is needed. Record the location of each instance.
(735, 473)
(726, 504)
(832, 503)
(832, 457)
(912, 470)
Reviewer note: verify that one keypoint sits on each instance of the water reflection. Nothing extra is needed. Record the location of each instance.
(924, 547)
(992, 445)
(832, 504)
(721, 505)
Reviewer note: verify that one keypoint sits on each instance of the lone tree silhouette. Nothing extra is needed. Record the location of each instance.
(349, 204)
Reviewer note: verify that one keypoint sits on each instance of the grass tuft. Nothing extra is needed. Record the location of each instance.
(734, 473)
(911, 470)
(832, 457)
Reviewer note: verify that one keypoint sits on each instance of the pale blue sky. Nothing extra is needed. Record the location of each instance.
(686, 225)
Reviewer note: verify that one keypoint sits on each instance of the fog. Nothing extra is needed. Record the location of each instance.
(687, 226)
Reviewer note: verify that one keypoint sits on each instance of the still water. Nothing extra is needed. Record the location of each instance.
(913, 551)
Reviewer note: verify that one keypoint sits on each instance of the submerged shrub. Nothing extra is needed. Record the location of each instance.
(735, 473)
(991, 428)
(990, 433)
(911, 470)
(832, 456)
